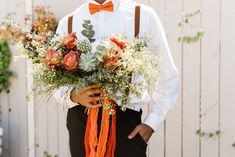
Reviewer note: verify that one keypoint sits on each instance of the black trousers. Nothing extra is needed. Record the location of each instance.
(126, 122)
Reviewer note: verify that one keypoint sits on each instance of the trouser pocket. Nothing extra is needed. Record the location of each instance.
(126, 122)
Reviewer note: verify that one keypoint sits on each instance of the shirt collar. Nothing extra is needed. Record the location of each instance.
(115, 3)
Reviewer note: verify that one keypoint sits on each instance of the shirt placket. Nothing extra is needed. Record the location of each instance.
(101, 25)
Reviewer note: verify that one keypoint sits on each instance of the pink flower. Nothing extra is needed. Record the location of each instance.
(70, 60)
(70, 40)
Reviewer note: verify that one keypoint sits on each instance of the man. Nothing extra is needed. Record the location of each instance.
(120, 16)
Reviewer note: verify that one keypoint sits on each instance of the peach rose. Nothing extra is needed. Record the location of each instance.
(119, 41)
(111, 58)
(70, 40)
(3, 29)
(70, 60)
(52, 57)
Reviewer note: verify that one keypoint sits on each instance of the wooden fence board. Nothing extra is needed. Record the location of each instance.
(17, 102)
(191, 85)
(227, 97)
(41, 127)
(174, 118)
(4, 98)
(157, 142)
(210, 62)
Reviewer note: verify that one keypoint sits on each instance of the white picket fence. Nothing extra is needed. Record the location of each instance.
(206, 99)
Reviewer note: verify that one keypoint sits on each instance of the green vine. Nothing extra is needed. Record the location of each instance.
(187, 17)
(46, 154)
(233, 145)
(191, 39)
(187, 38)
(5, 73)
(201, 133)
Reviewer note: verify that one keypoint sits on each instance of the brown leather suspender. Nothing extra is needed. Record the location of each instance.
(70, 24)
(137, 20)
(137, 30)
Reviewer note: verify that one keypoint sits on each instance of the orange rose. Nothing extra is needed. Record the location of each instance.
(70, 60)
(119, 41)
(70, 40)
(3, 29)
(52, 57)
(111, 58)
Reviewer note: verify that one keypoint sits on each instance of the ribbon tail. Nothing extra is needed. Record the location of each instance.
(104, 146)
(112, 138)
(91, 139)
(104, 131)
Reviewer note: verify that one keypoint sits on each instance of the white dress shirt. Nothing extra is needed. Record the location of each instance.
(122, 20)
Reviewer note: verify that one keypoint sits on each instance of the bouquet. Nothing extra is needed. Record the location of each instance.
(110, 63)
(68, 61)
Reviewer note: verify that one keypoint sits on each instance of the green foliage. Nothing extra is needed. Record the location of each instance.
(187, 17)
(233, 145)
(5, 73)
(88, 30)
(188, 39)
(191, 39)
(46, 154)
(201, 133)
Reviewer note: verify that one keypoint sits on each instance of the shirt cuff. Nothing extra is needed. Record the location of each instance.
(68, 103)
(153, 120)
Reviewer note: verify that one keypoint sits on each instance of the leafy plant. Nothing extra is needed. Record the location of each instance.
(201, 133)
(5, 73)
(187, 17)
(233, 145)
(46, 154)
(190, 38)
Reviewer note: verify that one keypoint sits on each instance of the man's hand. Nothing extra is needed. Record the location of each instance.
(144, 130)
(88, 97)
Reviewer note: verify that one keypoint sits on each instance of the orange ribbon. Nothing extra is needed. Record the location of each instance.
(96, 8)
(95, 145)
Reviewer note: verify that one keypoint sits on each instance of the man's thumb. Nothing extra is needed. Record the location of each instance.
(133, 133)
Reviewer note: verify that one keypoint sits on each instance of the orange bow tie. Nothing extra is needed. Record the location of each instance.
(96, 8)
